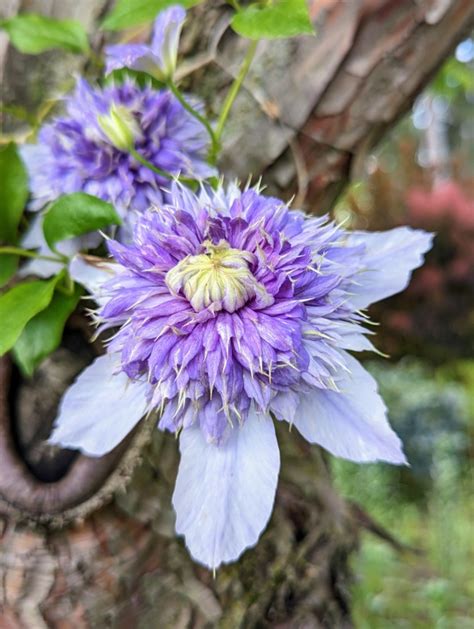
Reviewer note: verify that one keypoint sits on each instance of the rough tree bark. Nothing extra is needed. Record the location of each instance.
(75, 550)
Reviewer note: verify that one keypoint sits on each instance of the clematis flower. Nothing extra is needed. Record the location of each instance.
(231, 312)
(87, 150)
(158, 59)
(78, 151)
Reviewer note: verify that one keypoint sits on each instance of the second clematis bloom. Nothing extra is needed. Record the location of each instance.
(231, 312)
(87, 149)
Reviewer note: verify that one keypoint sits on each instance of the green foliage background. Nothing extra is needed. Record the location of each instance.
(428, 383)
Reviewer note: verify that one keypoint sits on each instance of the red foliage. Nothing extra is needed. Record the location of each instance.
(450, 213)
(434, 317)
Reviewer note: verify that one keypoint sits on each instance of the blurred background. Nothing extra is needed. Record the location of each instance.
(422, 175)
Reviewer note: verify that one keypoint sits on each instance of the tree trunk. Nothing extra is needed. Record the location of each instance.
(76, 551)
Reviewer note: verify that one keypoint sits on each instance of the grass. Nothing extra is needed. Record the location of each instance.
(405, 590)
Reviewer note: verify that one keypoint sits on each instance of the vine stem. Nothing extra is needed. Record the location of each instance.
(214, 141)
(234, 90)
(157, 170)
(17, 251)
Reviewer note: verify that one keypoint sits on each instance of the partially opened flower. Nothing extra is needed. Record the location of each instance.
(81, 151)
(229, 312)
(88, 150)
(159, 58)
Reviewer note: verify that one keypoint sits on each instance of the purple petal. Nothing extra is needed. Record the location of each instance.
(224, 494)
(351, 424)
(133, 56)
(166, 32)
(388, 262)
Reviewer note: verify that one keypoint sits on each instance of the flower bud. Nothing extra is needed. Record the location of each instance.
(120, 127)
(166, 40)
(160, 57)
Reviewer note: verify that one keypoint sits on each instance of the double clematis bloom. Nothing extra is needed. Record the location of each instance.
(88, 150)
(231, 312)
(160, 57)
(79, 151)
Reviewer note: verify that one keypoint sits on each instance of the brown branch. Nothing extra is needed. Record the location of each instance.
(367, 522)
(87, 484)
(340, 92)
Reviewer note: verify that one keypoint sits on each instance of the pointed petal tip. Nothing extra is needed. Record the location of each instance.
(351, 424)
(224, 495)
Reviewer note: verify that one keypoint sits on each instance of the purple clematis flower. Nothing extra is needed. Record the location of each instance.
(158, 59)
(75, 153)
(229, 312)
(80, 151)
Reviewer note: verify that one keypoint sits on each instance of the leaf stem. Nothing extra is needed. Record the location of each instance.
(215, 144)
(235, 4)
(68, 288)
(17, 251)
(234, 90)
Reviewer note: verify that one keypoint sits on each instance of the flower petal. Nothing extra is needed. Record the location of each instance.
(133, 56)
(354, 337)
(100, 408)
(34, 239)
(37, 158)
(92, 274)
(390, 258)
(224, 494)
(166, 34)
(351, 424)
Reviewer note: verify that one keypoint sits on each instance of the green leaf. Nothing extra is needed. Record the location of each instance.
(455, 78)
(42, 334)
(76, 214)
(282, 18)
(19, 305)
(32, 34)
(13, 192)
(128, 13)
(8, 266)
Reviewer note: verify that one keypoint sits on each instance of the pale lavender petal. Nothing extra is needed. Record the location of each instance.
(351, 424)
(40, 268)
(133, 56)
(36, 158)
(99, 409)
(354, 338)
(166, 34)
(224, 494)
(388, 262)
(284, 405)
(93, 273)
(34, 239)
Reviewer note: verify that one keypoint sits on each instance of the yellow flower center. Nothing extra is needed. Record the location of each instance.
(220, 278)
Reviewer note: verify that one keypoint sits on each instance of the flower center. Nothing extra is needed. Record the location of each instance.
(220, 278)
(120, 127)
